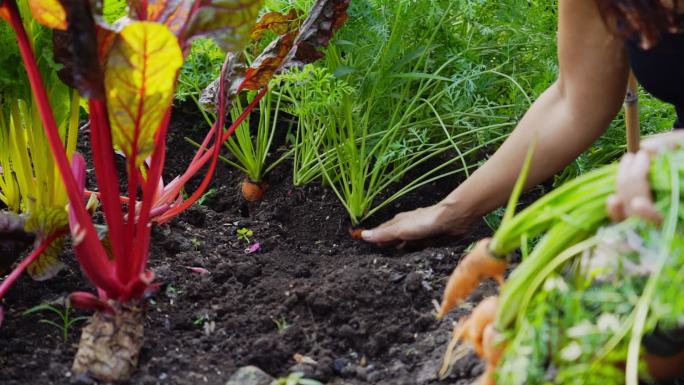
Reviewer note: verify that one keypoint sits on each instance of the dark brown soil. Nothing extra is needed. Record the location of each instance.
(361, 312)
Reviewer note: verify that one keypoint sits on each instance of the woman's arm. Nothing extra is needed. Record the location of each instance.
(564, 121)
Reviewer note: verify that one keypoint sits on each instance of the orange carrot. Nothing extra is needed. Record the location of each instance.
(492, 351)
(356, 233)
(252, 191)
(476, 330)
(481, 318)
(476, 266)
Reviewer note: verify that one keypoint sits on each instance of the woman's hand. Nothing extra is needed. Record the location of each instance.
(633, 196)
(426, 222)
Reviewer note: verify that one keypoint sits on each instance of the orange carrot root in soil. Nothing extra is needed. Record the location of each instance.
(252, 191)
(356, 233)
(477, 331)
(476, 266)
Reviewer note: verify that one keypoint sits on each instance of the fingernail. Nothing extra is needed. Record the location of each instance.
(366, 234)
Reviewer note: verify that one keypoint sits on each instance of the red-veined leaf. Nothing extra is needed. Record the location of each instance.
(172, 13)
(234, 75)
(76, 49)
(139, 80)
(276, 22)
(49, 13)
(325, 17)
(265, 66)
(44, 223)
(228, 22)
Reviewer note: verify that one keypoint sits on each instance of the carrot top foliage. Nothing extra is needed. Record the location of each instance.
(589, 294)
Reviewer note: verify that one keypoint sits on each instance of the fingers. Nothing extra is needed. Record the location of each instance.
(661, 142)
(383, 234)
(644, 208)
(633, 195)
(405, 226)
(616, 211)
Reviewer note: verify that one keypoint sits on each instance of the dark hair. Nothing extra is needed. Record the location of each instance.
(646, 20)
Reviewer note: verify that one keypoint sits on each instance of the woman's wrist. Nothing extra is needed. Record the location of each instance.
(455, 215)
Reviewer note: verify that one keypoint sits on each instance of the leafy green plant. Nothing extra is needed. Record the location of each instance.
(312, 94)
(251, 150)
(65, 317)
(295, 45)
(202, 66)
(374, 113)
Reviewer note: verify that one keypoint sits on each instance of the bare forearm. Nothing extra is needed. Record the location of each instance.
(559, 133)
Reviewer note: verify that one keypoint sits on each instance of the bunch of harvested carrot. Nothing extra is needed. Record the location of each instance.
(481, 262)
(538, 309)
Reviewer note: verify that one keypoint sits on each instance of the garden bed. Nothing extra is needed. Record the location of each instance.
(364, 314)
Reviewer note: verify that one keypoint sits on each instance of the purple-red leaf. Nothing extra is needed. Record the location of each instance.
(228, 22)
(325, 17)
(172, 13)
(76, 49)
(234, 76)
(265, 65)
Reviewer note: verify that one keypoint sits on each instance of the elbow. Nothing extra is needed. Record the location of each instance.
(592, 109)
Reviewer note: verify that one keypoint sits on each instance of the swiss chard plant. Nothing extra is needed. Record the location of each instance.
(127, 72)
(30, 184)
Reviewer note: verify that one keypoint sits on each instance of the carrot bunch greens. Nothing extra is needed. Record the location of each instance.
(587, 295)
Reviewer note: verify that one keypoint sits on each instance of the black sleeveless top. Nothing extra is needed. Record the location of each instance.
(660, 70)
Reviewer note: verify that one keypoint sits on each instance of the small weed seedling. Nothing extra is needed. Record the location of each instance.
(281, 324)
(196, 243)
(206, 196)
(200, 320)
(65, 317)
(244, 234)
